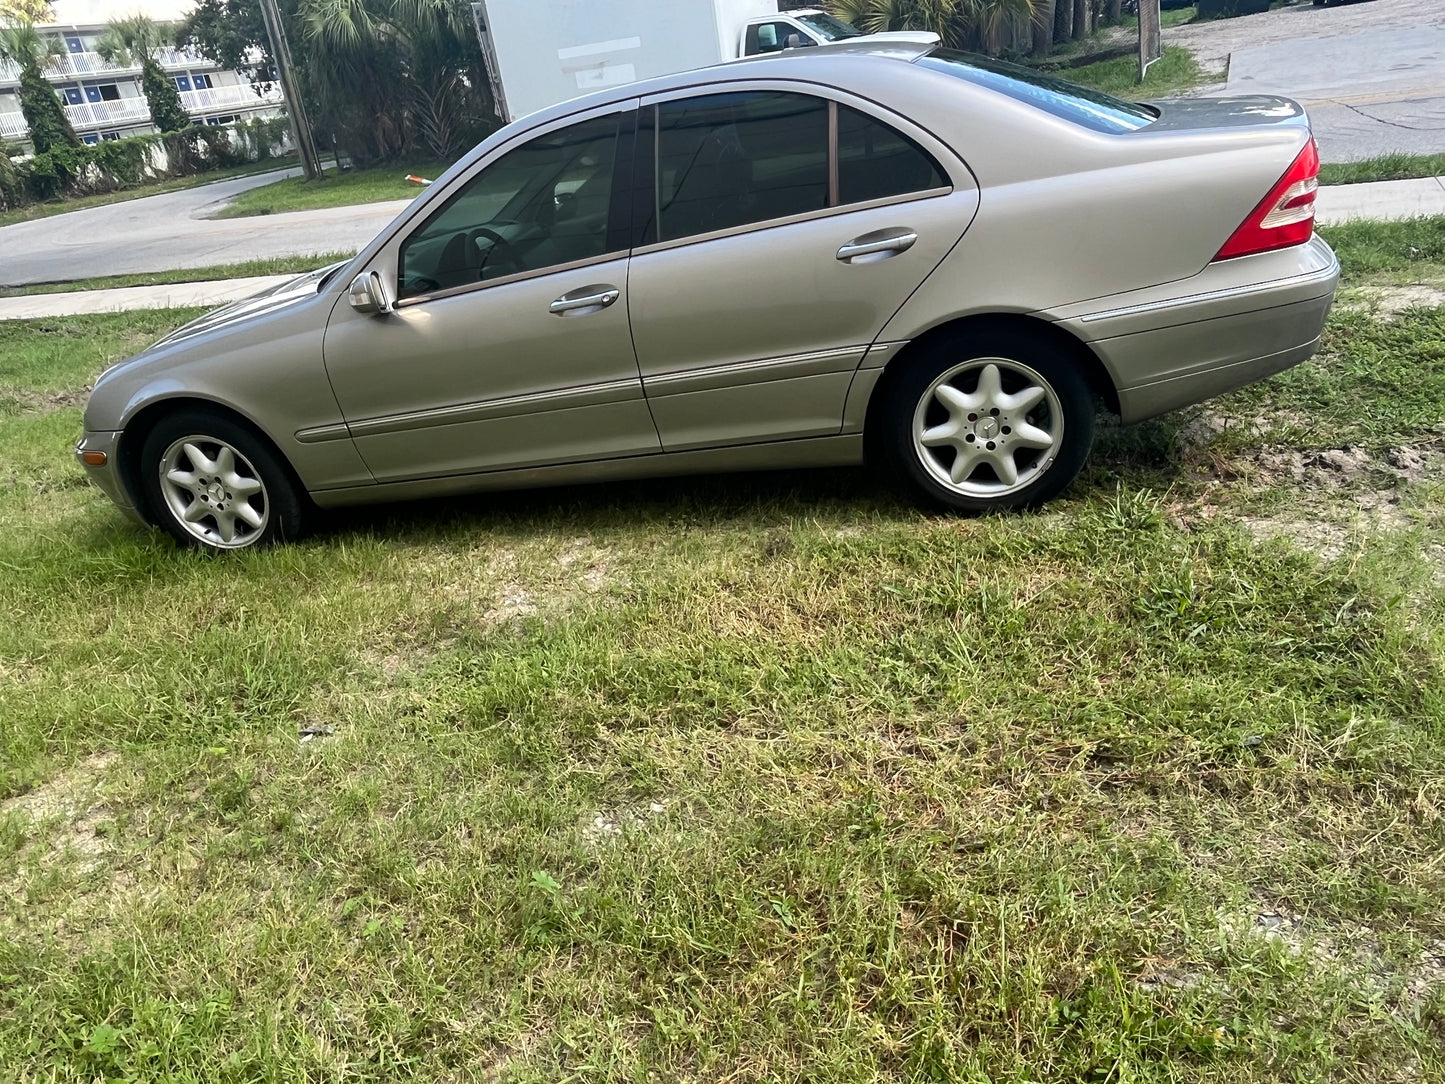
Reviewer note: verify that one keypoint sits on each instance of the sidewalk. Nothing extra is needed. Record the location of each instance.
(1379, 200)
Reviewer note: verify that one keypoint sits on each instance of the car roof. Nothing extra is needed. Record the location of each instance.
(830, 63)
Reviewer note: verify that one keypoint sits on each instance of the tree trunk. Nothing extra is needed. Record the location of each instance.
(1063, 20)
(1043, 27)
(1115, 11)
(1081, 19)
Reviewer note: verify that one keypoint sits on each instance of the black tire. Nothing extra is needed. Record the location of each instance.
(1021, 362)
(273, 513)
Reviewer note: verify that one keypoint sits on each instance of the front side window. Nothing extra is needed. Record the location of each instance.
(544, 204)
(734, 159)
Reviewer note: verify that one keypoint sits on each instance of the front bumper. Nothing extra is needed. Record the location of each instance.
(107, 477)
(1234, 323)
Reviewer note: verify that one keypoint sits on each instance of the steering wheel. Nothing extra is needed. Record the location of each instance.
(508, 259)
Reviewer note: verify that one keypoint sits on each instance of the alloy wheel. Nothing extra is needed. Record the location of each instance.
(214, 492)
(988, 427)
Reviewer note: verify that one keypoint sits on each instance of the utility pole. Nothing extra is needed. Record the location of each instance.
(300, 126)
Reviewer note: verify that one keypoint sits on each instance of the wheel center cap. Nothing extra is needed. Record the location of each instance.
(987, 427)
(216, 492)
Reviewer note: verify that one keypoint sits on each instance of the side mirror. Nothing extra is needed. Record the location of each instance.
(370, 295)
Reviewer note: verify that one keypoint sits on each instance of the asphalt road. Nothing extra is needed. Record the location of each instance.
(170, 231)
(1371, 74)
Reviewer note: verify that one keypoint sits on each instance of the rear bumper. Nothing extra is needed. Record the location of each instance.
(1236, 322)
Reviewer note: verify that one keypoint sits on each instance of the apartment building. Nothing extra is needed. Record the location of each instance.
(105, 101)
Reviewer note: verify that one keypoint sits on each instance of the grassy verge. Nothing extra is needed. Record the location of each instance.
(174, 184)
(1176, 72)
(1389, 167)
(281, 265)
(335, 190)
(759, 778)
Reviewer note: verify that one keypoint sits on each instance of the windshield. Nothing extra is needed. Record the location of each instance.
(1082, 105)
(832, 29)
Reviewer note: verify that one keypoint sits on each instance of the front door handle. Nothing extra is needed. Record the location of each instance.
(587, 300)
(878, 245)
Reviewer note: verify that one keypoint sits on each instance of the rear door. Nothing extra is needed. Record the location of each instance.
(783, 230)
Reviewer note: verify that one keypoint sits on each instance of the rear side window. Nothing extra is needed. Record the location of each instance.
(876, 161)
(1088, 108)
(729, 160)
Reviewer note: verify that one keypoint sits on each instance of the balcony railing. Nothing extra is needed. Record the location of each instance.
(75, 65)
(13, 126)
(97, 114)
(242, 96)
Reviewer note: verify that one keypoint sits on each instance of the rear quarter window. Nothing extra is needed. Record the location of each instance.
(1087, 108)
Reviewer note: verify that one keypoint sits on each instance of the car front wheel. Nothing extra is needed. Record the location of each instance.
(987, 422)
(213, 484)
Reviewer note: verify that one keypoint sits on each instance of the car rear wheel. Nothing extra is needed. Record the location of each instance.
(214, 485)
(987, 422)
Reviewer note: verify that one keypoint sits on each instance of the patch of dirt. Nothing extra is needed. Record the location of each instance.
(612, 824)
(593, 561)
(65, 815)
(42, 402)
(1353, 951)
(1386, 302)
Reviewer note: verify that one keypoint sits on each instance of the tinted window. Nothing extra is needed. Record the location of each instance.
(543, 204)
(1086, 107)
(875, 161)
(732, 159)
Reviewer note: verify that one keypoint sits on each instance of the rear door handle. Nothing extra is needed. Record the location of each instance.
(878, 245)
(587, 300)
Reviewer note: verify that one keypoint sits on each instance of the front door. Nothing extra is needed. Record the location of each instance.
(787, 229)
(509, 346)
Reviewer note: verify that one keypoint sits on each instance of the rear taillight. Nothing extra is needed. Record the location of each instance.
(1286, 216)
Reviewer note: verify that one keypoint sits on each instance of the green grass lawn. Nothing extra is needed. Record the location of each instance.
(281, 265)
(60, 207)
(1176, 72)
(770, 778)
(1389, 167)
(334, 190)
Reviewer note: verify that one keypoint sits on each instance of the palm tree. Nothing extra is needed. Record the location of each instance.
(34, 52)
(140, 38)
(410, 68)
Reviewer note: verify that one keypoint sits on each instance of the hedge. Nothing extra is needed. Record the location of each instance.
(65, 171)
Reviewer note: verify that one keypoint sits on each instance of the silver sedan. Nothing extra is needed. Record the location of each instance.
(940, 262)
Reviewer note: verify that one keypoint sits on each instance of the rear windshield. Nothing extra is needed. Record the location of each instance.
(1089, 108)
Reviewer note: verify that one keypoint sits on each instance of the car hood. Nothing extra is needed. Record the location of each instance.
(258, 304)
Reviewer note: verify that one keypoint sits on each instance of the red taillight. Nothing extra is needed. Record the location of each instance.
(1284, 217)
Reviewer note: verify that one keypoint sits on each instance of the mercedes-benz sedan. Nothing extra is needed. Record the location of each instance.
(942, 263)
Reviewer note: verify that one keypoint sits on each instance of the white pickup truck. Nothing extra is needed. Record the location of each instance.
(540, 52)
(803, 27)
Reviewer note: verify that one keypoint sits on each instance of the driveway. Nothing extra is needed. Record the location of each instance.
(170, 231)
(1371, 74)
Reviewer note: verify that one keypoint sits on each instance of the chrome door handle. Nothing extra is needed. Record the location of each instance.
(586, 300)
(879, 245)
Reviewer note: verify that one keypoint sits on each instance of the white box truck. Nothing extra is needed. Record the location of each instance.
(540, 52)
(545, 51)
